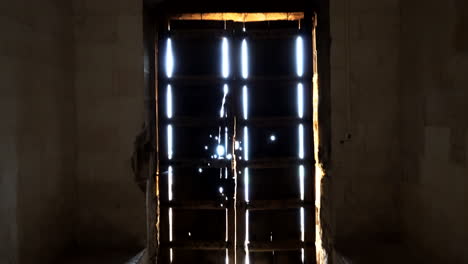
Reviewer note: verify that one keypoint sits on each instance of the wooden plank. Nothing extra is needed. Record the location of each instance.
(203, 163)
(188, 121)
(260, 81)
(286, 245)
(272, 163)
(274, 121)
(214, 34)
(195, 205)
(240, 17)
(224, 163)
(260, 205)
(197, 245)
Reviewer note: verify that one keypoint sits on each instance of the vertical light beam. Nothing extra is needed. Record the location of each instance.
(169, 101)
(299, 56)
(226, 141)
(301, 141)
(246, 184)
(169, 187)
(226, 260)
(246, 241)
(169, 59)
(169, 141)
(246, 143)
(225, 92)
(225, 58)
(302, 223)
(244, 59)
(301, 181)
(300, 100)
(170, 224)
(245, 102)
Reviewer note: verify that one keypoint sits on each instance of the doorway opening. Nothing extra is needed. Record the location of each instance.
(237, 133)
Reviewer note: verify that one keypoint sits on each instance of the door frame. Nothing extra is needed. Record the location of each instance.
(154, 17)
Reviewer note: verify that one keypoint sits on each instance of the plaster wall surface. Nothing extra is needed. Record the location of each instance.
(362, 184)
(434, 63)
(37, 131)
(110, 111)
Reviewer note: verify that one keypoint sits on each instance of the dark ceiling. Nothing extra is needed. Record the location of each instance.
(230, 5)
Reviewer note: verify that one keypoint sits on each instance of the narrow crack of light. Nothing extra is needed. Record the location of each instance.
(227, 226)
(170, 254)
(301, 181)
(170, 224)
(300, 100)
(226, 260)
(299, 57)
(246, 184)
(169, 141)
(169, 59)
(169, 101)
(225, 92)
(169, 183)
(246, 241)
(245, 101)
(301, 141)
(246, 143)
(302, 224)
(225, 58)
(302, 254)
(245, 59)
(226, 140)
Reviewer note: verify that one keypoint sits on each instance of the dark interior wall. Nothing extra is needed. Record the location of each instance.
(361, 189)
(362, 183)
(37, 131)
(433, 66)
(109, 81)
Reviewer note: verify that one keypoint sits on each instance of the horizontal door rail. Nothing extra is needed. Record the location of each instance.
(203, 79)
(256, 121)
(286, 245)
(198, 245)
(225, 163)
(197, 205)
(259, 205)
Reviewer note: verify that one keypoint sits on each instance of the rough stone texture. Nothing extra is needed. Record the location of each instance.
(37, 131)
(109, 106)
(433, 66)
(365, 169)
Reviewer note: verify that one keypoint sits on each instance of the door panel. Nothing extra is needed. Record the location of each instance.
(236, 148)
